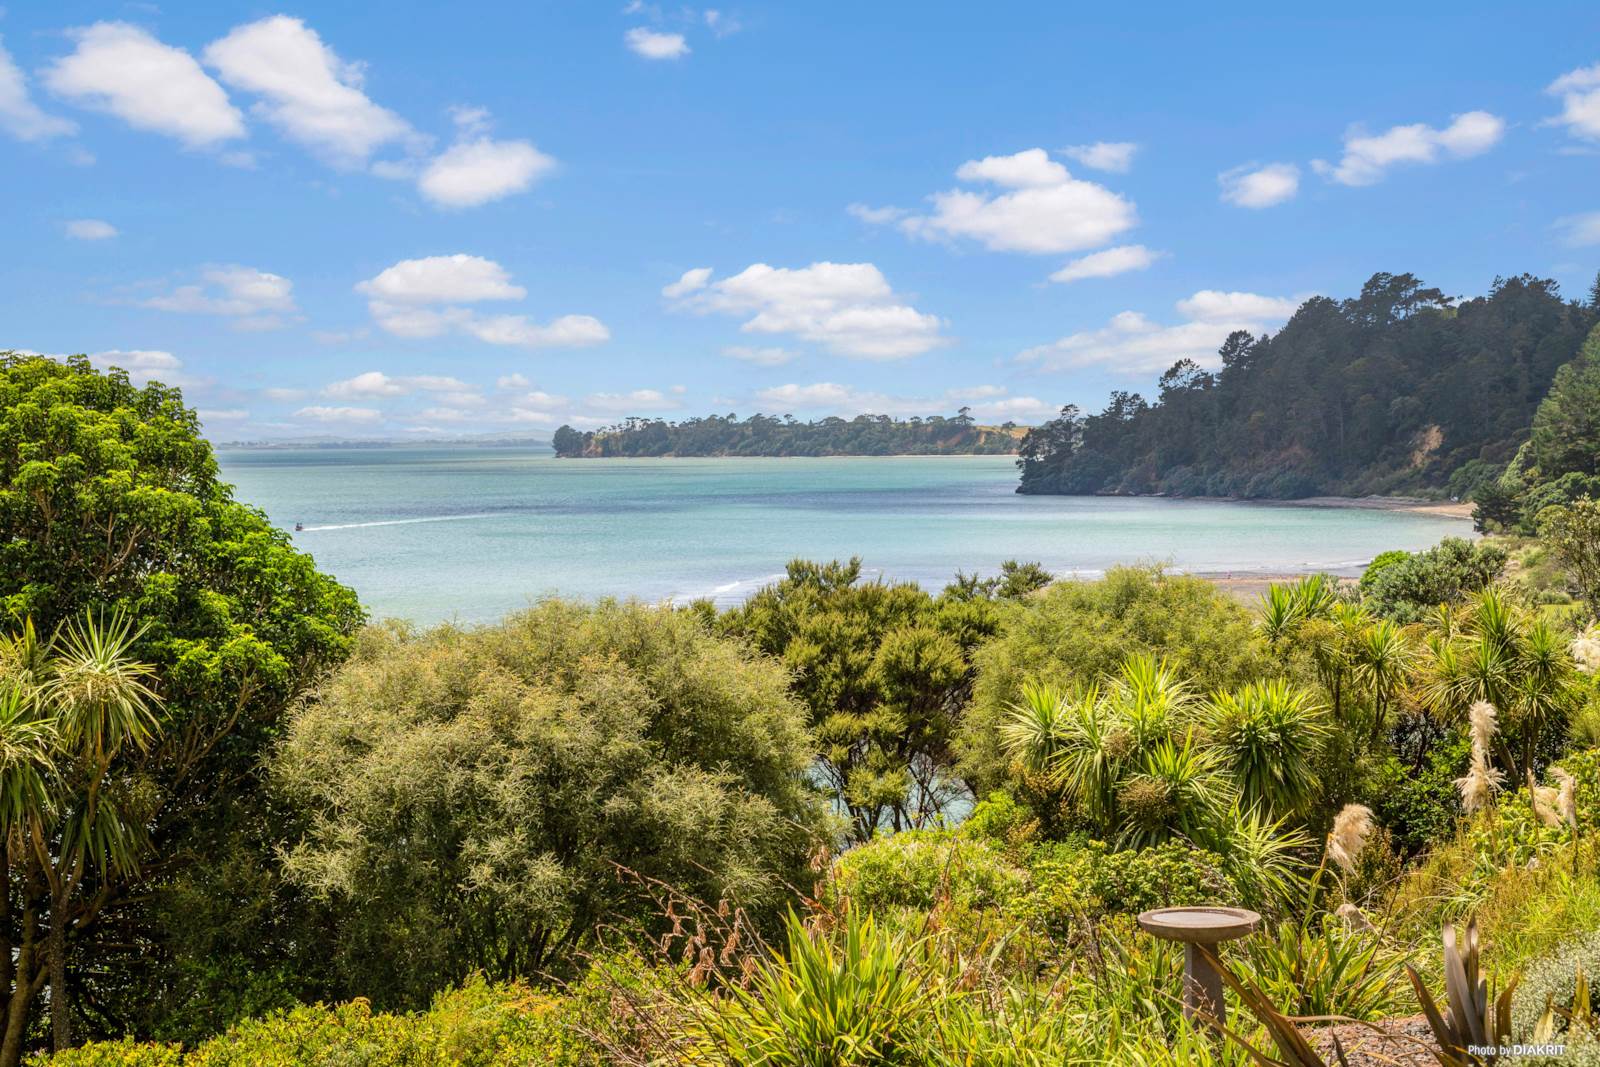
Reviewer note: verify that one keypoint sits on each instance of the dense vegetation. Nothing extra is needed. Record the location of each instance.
(848, 823)
(769, 435)
(1399, 389)
(140, 858)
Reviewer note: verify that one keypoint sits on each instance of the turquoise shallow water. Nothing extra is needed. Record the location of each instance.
(438, 533)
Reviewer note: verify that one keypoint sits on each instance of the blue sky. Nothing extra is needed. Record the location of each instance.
(489, 217)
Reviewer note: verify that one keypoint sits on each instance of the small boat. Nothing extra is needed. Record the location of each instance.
(299, 526)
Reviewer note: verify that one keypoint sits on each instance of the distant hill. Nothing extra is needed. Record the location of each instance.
(1398, 390)
(482, 440)
(772, 435)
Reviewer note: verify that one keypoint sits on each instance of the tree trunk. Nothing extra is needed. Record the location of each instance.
(23, 990)
(56, 947)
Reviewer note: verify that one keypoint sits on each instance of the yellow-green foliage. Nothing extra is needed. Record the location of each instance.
(478, 1025)
(1076, 633)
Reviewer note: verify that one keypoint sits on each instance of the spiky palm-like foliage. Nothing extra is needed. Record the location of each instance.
(1268, 735)
(1176, 791)
(74, 704)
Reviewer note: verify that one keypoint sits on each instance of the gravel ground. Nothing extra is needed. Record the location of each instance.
(1397, 1044)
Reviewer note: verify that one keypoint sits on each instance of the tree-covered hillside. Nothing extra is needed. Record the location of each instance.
(769, 435)
(1399, 389)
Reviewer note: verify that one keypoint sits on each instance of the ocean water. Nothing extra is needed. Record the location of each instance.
(471, 533)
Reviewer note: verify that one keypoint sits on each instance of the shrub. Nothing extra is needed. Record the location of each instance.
(477, 1025)
(1326, 971)
(1408, 590)
(477, 797)
(916, 868)
(1076, 633)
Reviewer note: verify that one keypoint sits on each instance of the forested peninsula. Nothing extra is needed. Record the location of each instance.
(1400, 389)
(770, 435)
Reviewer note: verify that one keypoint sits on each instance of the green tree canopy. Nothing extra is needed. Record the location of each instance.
(1076, 634)
(885, 669)
(110, 500)
(485, 799)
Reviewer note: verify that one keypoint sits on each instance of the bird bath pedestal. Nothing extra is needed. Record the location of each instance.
(1202, 985)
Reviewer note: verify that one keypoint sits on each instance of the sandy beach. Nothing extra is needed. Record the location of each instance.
(1455, 509)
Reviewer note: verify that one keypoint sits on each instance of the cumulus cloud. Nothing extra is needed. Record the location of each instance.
(690, 281)
(143, 365)
(479, 171)
(761, 357)
(374, 385)
(19, 115)
(1368, 157)
(222, 414)
(311, 95)
(638, 400)
(1040, 208)
(321, 413)
(511, 381)
(1256, 186)
(90, 230)
(1579, 91)
(848, 308)
(426, 298)
(652, 44)
(987, 402)
(1133, 344)
(1114, 156)
(124, 71)
(457, 279)
(1112, 261)
(1580, 231)
(253, 298)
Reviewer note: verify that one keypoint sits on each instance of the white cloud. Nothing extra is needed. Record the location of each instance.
(1104, 264)
(19, 115)
(307, 91)
(121, 69)
(987, 402)
(1579, 91)
(568, 331)
(90, 230)
(254, 298)
(1115, 156)
(457, 279)
(761, 357)
(848, 308)
(1132, 344)
(1258, 186)
(1043, 210)
(423, 298)
(1214, 305)
(1580, 231)
(476, 172)
(142, 364)
(876, 216)
(690, 281)
(222, 414)
(653, 45)
(630, 403)
(320, 413)
(1367, 157)
(282, 393)
(511, 381)
(372, 384)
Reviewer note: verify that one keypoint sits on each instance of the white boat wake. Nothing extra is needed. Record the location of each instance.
(392, 522)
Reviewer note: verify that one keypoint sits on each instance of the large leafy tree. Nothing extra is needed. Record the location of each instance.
(486, 800)
(885, 669)
(110, 501)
